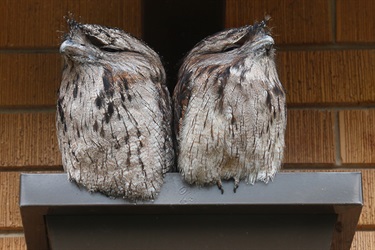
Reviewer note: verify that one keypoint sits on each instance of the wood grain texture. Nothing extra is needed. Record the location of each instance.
(357, 136)
(12, 243)
(21, 17)
(309, 137)
(367, 219)
(29, 79)
(293, 22)
(28, 140)
(329, 77)
(355, 21)
(363, 240)
(10, 218)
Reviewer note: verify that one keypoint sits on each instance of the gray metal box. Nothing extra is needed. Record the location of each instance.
(296, 211)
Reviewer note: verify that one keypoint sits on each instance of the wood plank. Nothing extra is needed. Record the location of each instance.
(367, 219)
(355, 21)
(293, 22)
(20, 18)
(10, 217)
(29, 79)
(309, 137)
(328, 77)
(357, 136)
(28, 140)
(12, 243)
(363, 240)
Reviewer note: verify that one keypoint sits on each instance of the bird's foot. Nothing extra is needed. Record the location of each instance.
(220, 186)
(236, 184)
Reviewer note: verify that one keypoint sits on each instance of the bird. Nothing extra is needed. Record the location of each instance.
(230, 109)
(114, 113)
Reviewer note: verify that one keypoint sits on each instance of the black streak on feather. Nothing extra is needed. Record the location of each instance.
(98, 102)
(75, 91)
(225, 74)
(61, 111)
(277, 91)
(268, 101)
(95, 126)
(108, 82)
(220, 90)
(212, 68)
(122, 97)
(102, 133)
(109, 112)
(125, 83)
(126, 86)
(110, 109)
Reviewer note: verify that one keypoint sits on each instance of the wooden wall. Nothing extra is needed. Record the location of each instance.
(326, 57)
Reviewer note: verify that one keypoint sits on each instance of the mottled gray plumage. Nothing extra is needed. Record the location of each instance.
(113, 113)
(230, 112)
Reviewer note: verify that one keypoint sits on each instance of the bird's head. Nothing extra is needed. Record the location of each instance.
(249, 40)
(95, 44)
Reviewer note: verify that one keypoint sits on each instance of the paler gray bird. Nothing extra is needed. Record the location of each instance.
(230, 109)
(113, 113)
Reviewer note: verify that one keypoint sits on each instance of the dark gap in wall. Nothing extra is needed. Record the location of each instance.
(173, 27)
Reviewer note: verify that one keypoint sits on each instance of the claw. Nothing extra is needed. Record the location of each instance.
(236, 184)
(220, 186)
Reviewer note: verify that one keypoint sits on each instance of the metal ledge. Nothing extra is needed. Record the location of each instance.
(297, 210)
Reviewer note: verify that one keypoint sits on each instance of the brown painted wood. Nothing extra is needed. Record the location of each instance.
(357, 136)
(41, 24)
(29, 80)
(355, 21)
(309, 137)
(328, 77)
(9, 202)
(28, 140)
(293, 22)
(12, 243)
(363, 240)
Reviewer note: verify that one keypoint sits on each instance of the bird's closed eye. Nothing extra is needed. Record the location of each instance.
(231, 47)
(95, 41)
(235, 45)
(111, 49)
(102, 46)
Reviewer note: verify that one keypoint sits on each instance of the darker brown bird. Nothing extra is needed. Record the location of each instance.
(230, 110)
